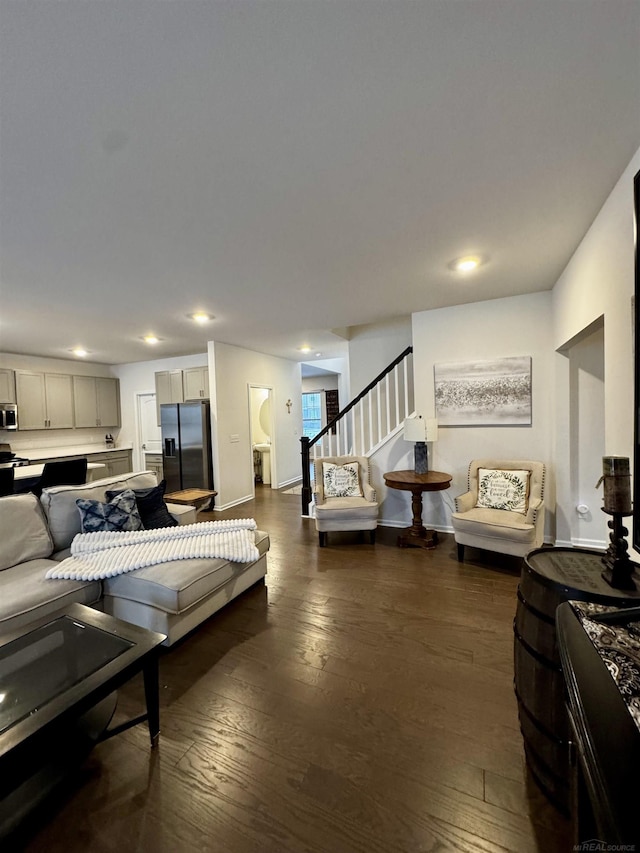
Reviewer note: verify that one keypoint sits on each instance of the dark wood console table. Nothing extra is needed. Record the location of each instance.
(433, 481)
(605, 785)
(551, 576)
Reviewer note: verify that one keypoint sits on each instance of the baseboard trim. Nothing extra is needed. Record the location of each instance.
(295, 481)
(402, 525)
(231, 504)
(593, 544)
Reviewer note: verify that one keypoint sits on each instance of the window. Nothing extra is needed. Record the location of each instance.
(311, 413)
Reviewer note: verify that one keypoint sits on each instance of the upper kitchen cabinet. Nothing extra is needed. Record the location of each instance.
(7, 386)
(45, 400)
(195, 382)
(96, 401)
(168, 388)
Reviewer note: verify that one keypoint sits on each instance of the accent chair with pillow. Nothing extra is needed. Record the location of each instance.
(503, 507)
(343, 496)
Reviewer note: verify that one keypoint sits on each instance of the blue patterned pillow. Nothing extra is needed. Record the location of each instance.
(151, 506)
(121, 513)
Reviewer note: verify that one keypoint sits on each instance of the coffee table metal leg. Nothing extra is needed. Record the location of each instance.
(152, 696)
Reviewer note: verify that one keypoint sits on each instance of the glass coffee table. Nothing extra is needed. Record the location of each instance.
(57, 679)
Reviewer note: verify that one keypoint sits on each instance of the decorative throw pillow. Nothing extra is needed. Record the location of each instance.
(151, 506)
(503, 489)
(120, 513)
(341, 481)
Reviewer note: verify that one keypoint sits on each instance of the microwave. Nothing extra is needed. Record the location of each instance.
(8, 416)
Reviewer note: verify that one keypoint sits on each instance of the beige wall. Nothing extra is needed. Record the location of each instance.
(598, 283)
(232, 370)
(373, 347)
(516, 326)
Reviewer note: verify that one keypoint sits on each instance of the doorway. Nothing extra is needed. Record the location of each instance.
(587, 438)
(149, 437)
(261, 426)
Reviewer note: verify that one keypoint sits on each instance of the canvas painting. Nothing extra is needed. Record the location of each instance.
(496, 392)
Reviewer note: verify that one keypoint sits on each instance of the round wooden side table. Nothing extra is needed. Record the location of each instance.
(408, 481)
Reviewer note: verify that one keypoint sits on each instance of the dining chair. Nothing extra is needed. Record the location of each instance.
(6, 481)
(66, 472)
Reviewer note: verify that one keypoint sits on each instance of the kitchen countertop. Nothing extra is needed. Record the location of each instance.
(29, 472)
(36, 453)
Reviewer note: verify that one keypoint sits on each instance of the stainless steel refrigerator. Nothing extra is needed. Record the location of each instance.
(186, 445)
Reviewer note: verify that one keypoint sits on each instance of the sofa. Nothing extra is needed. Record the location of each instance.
(172, 598)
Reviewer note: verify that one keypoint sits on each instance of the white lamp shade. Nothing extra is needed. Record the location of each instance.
(432, 429)
(415, 429)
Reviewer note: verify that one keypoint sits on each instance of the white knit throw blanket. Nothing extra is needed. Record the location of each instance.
(104, 554)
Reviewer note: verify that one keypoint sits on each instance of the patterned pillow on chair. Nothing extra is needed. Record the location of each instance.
(499, 489)
(341, 481)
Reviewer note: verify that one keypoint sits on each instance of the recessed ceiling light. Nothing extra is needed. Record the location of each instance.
(467, 263)
(151, 339)
(318, 354)
(304, 348)
(81, 352)
(200, 316)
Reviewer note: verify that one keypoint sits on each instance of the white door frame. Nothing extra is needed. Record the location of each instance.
(138, 453)
(269, 388)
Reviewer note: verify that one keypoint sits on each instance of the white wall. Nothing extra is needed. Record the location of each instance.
(373, 347)
(139, 378)
(515, 326)
(22, 442)
(586, 528)
(231, 371)
(599, 282)
(327, 382)
(340, 367)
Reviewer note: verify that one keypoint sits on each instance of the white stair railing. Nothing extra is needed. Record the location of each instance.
(366, 422)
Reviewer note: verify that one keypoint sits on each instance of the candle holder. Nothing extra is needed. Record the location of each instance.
(618, 567)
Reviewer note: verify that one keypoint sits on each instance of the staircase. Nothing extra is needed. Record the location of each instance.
(366, 423)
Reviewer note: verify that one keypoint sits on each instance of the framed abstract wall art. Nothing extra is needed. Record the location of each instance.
(494, 392)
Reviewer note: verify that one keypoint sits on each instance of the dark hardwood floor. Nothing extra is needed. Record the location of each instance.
(360, 702)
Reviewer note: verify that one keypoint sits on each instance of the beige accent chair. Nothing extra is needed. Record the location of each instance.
(352, 513)
(499, 529)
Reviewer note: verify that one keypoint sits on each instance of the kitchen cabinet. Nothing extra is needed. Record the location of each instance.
(168, 388)
(96, 401)
(153, 462)
(45, 400)
(195, 383)
(7, 386)
(117, 462)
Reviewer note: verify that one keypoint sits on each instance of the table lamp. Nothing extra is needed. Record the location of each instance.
(420, 430)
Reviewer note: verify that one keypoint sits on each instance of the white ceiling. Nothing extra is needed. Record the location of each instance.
(295, 167)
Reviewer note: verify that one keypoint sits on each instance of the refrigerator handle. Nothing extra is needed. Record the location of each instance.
(169, 447)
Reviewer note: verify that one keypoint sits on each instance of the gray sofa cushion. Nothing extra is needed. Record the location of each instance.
(59, 502)
(24, 534)
(177, 585)
(26, 595)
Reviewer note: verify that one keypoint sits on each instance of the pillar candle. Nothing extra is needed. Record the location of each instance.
(617, 484)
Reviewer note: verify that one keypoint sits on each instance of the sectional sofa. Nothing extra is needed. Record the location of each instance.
(172, 598)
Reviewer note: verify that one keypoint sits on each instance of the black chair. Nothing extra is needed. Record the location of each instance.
(69, 472)
(6, 481)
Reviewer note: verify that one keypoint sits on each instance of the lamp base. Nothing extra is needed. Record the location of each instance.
(421, 459)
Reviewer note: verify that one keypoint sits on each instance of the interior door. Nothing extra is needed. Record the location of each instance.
(149, 432)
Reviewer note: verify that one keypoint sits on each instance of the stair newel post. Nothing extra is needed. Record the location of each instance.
(306, 474)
